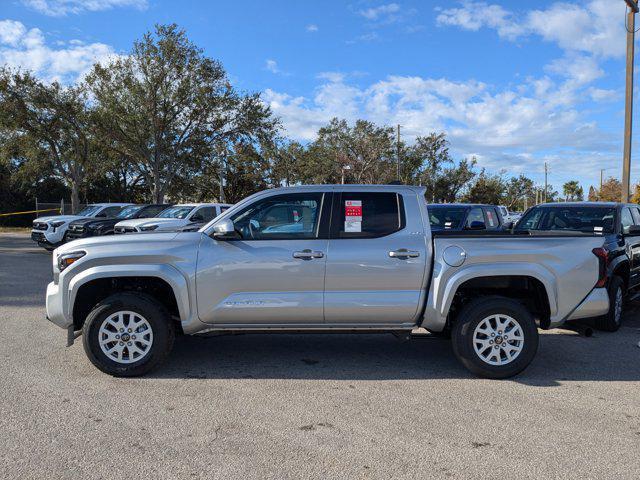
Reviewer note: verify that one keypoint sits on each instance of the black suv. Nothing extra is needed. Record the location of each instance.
(619, 223)
(92, 227)
(464, 216)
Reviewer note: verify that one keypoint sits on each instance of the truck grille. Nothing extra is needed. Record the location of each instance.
(37, 236)
(40, 226)
(124, 230)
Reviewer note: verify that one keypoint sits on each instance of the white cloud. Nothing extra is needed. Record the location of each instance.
(312, 28)
(500, 127)
(60, 8)
(596, 28)
(383, 11)
(11, 32)
(604, 95)
(27, 49)
(475, 15)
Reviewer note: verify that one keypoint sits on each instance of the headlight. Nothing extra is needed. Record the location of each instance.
(66, 259)
(57, 224)
(95, 227)
(148, 228)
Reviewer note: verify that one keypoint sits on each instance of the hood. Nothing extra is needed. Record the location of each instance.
(65, 218)
(119, 242)
(92, 221)
(137, 222)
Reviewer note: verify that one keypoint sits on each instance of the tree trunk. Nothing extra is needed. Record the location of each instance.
(75, 197)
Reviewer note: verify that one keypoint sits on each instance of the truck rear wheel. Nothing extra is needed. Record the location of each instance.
(495, 337)
(128, 335)
(613, 319)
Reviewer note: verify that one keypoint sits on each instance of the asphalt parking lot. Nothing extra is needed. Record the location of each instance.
(307, 406)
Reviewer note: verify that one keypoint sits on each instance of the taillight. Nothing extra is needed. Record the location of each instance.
(603, 261)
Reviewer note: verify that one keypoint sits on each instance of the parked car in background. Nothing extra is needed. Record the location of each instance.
(462, 216)
(91, 227)
(340, 258)
(618, 223)
(507, 216)
(173, 218)
(50, 232)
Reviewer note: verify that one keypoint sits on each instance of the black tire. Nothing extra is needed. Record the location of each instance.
(472, 315)
(156, 315)
(611, 321)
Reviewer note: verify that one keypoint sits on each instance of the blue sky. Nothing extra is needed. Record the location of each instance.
(515, 83)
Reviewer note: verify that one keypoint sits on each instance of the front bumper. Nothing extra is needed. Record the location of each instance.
(55, 306)
(48, 237)
(596, 304)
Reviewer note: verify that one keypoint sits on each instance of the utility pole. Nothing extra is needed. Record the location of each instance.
(628, 98)
(546, 188)
(601, 177)
(398, 154)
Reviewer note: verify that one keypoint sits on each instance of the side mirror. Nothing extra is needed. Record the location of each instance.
(509, 225)
(197, 218)
(634, 230)
(477, 225)
(224, 230)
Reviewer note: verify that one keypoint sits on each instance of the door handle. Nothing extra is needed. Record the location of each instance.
(404, 253)
(308, 254)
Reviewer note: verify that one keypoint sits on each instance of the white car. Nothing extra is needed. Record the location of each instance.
(50, 231)
(173, 218)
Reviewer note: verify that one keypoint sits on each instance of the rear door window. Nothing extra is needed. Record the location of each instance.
(626, 220)
(492, 218)
(367, 215)
(475, 216)
(204, 214)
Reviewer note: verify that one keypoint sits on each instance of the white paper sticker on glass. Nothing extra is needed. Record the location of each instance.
(353, 216)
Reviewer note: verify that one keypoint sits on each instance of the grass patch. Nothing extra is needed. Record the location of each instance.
(14, 229)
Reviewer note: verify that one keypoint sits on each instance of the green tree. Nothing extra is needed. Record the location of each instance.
(49, 121)
(169, 109)
(517, 190)
(364, 153)
(573, 192)
(486, 188)
(611, 190)
(437, 170)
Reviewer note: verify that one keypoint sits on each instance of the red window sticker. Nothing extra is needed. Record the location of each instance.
(353, 216)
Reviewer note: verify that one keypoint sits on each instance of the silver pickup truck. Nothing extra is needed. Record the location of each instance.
(348, 258)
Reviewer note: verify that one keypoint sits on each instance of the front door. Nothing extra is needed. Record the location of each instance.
(376, 259)
(273, 273)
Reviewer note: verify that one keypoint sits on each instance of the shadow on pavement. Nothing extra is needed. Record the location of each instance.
(562, 356)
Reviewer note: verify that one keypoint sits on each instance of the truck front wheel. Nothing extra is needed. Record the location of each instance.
(495, 337)
(127, 334)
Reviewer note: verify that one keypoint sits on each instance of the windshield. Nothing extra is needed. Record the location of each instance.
(128, 212)
(88, 210)
(582, 219)
(442, 218)
(176, 212)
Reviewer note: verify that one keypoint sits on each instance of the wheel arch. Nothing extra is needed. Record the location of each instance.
(486, 280)
(162, 282)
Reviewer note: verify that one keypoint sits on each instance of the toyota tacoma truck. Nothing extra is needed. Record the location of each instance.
(343, 258)
(51, 231)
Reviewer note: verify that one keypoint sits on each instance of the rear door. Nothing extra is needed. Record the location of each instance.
(376, 259)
